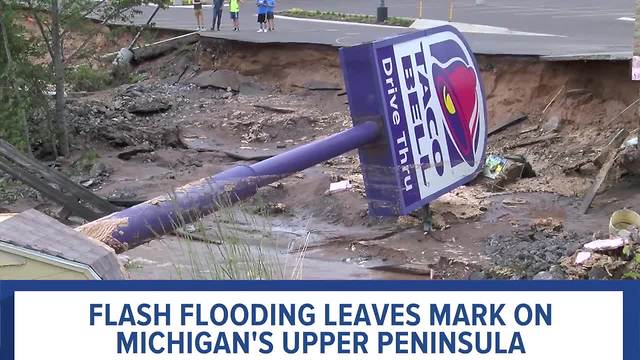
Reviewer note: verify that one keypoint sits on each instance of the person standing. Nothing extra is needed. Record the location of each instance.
(197, 9)
(262, 15)
(234, 10)
(217, 14)
(271, 6)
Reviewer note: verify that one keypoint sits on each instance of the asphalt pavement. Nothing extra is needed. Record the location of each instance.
(568, 29)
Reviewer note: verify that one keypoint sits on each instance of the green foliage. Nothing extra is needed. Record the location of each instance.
(87, 161)
(84, 78)
(55, 18)
(22, 83)
(634, 264)
(336, 16)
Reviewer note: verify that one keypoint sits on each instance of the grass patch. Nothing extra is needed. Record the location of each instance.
(337, 16)
(236, 242)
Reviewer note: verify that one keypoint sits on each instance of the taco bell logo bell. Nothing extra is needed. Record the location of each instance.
(433, 110)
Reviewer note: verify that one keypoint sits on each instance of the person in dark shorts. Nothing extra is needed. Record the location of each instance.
(234, 10)
(262, 15)
(271, 6)
(197, 8)
(217, 14)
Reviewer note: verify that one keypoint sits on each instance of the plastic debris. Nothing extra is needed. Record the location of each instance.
(631, 142)
(507, 169)
(582, 256)
(339, 187)
(606, 244)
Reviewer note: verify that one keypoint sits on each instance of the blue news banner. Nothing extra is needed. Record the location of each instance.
(319, 320)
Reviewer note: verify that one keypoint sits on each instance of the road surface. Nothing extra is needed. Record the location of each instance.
(569, 28)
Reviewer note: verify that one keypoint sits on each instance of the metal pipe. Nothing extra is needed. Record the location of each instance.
(136, 225)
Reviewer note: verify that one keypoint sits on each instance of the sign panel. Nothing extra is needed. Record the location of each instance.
(427, 92)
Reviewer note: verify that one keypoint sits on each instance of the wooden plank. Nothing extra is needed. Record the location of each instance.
(48, 191)
(613, 145)
(602, 175)
(509, 122)
(11, 153)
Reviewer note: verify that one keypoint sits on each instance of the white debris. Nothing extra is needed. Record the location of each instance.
(631, 142)
(603, 245)
(582, 257)
(339, 186)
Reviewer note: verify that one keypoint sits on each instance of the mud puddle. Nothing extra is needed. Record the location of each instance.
(537, 229)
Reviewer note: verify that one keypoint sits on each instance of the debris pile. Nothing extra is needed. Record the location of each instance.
(532, 253)
(135, 115)
(629, 158)
(616, 257)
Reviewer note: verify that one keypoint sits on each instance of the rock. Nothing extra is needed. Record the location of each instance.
(598, 273)
(543, 275)
(97, 169)
(526, 254)
(477, 275)
(277, 208)
(629, 160)
(123, 259)
(146, 106)
(221, 79)
(553, 124)
(171, 137)
(88, 183)
(554, 273)
(130, 152)
(513, 202)
(546, 224)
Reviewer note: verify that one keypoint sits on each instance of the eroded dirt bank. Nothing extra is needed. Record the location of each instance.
(190, 123)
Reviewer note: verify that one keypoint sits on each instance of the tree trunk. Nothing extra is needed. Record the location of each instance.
(7, 50)
(58, 69)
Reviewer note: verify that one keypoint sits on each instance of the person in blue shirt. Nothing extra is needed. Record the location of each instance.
(271, 6)
(262, 14)
(217, 14)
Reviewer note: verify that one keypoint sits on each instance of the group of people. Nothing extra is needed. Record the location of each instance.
(265, 9)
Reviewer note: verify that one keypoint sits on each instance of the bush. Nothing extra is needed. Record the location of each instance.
(84, 78)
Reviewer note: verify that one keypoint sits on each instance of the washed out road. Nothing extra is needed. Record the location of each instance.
(585, 28)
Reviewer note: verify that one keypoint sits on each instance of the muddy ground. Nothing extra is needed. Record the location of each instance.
(184, 128)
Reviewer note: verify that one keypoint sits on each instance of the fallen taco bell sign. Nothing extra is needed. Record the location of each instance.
(425, 88)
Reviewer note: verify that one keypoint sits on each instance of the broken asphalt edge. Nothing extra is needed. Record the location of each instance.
(596, 56)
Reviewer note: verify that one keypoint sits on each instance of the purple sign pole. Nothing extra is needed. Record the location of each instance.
(419, 118)
(136, 225)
